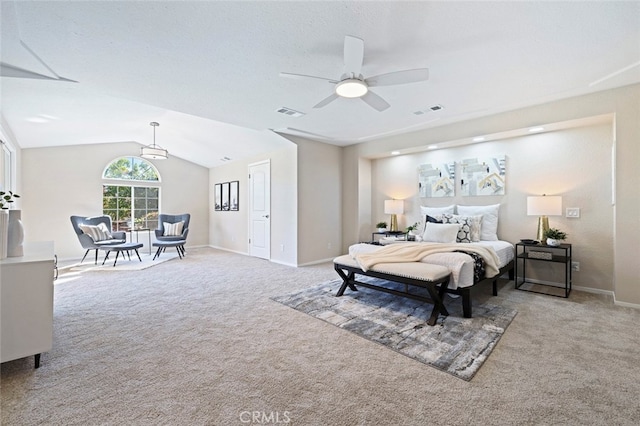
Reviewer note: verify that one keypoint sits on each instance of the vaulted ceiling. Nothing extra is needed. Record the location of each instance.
(209, 72)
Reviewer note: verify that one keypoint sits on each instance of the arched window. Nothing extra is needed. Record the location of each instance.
(131, 194)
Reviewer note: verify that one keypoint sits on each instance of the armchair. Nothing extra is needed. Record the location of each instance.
(163, 234)
(88, 241)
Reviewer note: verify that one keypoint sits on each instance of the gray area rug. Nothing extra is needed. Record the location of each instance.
(456, 345)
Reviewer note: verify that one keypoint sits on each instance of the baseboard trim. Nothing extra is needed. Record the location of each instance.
(625, 304)
(317, 262)
(594, 290)
(279, 262)
(226, 249)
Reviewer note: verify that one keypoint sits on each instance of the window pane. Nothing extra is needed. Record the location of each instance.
(152, 204)
(153, 192)
(131, 168)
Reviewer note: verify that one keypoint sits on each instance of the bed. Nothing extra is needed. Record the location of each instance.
(475, 231)
(459, 266)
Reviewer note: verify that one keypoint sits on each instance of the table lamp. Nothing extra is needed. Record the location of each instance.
(394, 208)
(543, 206)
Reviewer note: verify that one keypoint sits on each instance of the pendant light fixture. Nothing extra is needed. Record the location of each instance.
(154, 152)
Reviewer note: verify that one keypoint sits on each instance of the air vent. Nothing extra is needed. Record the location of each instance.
(225, 158)
(290, 112)
(433, 108)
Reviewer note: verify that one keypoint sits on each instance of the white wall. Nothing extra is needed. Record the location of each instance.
(574, 163)
(229, 230)
(63, 181)
(623, 102)
(319, 201)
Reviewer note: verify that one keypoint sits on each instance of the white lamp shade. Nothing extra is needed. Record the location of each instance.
(153, 152)
(393, 206)
(545, 205)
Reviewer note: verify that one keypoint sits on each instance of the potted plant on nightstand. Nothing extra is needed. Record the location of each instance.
(554, 237)
(382, 226)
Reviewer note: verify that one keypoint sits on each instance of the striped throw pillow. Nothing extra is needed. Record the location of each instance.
(172, 229)
(97, 232)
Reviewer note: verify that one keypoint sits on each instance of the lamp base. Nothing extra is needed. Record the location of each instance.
(394, 223)
(543, 227)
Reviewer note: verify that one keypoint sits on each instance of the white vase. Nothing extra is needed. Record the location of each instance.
(15, 234)
(4, 232)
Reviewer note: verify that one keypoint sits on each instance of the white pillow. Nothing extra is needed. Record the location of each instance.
(469, 227)
(440, 232)
(173, 229)
(436, 211)
(489, 224)
(97, 232)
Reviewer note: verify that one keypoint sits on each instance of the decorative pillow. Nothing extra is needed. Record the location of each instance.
(469, 227)
(489, 225)
(97, 232)
(173, 229)
(431, 219)
(440, 232)
(436, 211)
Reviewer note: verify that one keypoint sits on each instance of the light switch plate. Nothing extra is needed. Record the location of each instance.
(573, 212)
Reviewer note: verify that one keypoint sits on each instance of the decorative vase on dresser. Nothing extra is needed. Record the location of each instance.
(15, 234)
(4, 232)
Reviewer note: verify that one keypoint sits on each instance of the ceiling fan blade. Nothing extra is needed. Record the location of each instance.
(353, 55)
(375, 101)
(7, 70)
(399, 77)
(303, 76)
(332, 97)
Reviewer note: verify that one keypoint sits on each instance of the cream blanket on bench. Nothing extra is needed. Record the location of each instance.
(414, 252)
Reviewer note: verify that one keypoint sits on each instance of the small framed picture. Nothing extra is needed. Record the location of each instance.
(217, 196)
(234, 204)
(225, 196)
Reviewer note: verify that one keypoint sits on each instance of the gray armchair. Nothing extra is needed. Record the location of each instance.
(172, 218)
(87, 241)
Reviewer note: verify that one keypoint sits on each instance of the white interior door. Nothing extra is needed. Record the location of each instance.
(260, 210)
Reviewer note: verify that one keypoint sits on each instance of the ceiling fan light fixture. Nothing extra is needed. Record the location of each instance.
(351, 88)
(153, 151)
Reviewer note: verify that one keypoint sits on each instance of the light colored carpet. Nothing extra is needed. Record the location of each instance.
(456, 345)
(199, 342)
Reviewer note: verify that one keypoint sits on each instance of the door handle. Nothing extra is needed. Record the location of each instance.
(265, 216)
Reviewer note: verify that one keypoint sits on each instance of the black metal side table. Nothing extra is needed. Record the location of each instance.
(542, 253)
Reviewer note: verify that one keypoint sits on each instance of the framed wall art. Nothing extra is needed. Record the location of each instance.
(225, 196)
(483, 176)
(233, 196)
(437, 181)
(217, 196)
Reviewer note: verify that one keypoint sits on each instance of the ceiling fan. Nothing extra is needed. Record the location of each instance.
(353, 85)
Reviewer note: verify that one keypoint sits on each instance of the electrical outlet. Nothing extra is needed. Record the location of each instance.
(329, 246)
(575, 266)
(281, 247)
(573, 212)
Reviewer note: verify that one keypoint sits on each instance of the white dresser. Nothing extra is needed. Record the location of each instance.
(26, 303)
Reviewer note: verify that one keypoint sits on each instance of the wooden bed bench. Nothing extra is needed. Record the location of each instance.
(423, 275)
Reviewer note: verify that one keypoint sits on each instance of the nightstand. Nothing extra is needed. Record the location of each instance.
(542, 253)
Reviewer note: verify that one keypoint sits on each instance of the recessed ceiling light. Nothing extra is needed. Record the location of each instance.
(478, 139)
(395, 152)
(432, 146)
(536, 129)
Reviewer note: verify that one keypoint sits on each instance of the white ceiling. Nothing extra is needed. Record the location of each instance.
(208, 72)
